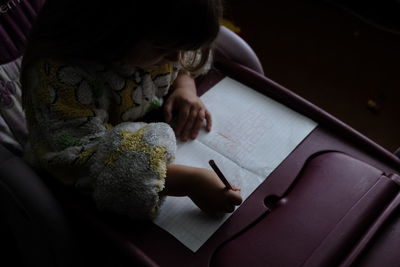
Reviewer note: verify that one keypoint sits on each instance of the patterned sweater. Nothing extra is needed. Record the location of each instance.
(81, 119)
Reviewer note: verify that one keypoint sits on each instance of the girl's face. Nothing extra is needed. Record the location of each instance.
(146, 55)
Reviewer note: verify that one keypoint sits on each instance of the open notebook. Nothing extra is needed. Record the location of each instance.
(251, 135)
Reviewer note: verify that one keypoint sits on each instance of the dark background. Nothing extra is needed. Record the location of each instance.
(338, 57)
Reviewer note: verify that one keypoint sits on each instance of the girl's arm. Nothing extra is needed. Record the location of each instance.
(203, 186)
(123, 166)
(191, 112)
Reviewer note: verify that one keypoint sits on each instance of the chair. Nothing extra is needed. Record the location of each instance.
(47, 225)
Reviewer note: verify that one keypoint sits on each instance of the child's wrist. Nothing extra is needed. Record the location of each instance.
(185, 72)
(184, 80)
(180, 180)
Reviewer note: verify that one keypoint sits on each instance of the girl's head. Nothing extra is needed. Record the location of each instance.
(141, 30)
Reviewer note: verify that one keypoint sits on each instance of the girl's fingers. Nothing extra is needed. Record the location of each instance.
(198, 123)
(229, 209)
(235, 198)
(208, 120)
(235, 188)
(188, 128)
(168, 111)
(190, 119)
(182, 118)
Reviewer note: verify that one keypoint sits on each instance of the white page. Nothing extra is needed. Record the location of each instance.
(251, 135)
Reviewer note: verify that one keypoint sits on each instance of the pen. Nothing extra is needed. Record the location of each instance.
(219, 174)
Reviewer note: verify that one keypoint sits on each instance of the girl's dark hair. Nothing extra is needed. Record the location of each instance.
(104, 31)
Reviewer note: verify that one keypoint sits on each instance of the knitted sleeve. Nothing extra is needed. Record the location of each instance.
(123, 167)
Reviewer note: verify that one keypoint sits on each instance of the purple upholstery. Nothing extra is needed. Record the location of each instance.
(16, 17)
(326, 227)
(397, 152)
(35, 220)
(236, 49)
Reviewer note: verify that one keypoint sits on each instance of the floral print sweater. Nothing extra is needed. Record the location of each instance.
(83, 129)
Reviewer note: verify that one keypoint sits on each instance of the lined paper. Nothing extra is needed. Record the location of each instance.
(251, 135)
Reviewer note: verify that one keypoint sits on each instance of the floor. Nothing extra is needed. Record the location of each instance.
(329, 57)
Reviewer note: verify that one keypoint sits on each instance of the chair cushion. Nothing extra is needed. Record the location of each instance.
(13, 129)
(16, 18)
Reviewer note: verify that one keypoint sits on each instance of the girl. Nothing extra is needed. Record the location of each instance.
(91, 72)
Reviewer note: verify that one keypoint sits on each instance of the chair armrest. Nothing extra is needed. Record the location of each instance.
(32, 215)
(397, 152)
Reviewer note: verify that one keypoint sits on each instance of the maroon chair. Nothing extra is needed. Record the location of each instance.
(334, 200)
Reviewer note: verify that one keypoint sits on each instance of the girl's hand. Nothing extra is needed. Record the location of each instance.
(210, 195)
(191, 111)
(203, 186)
